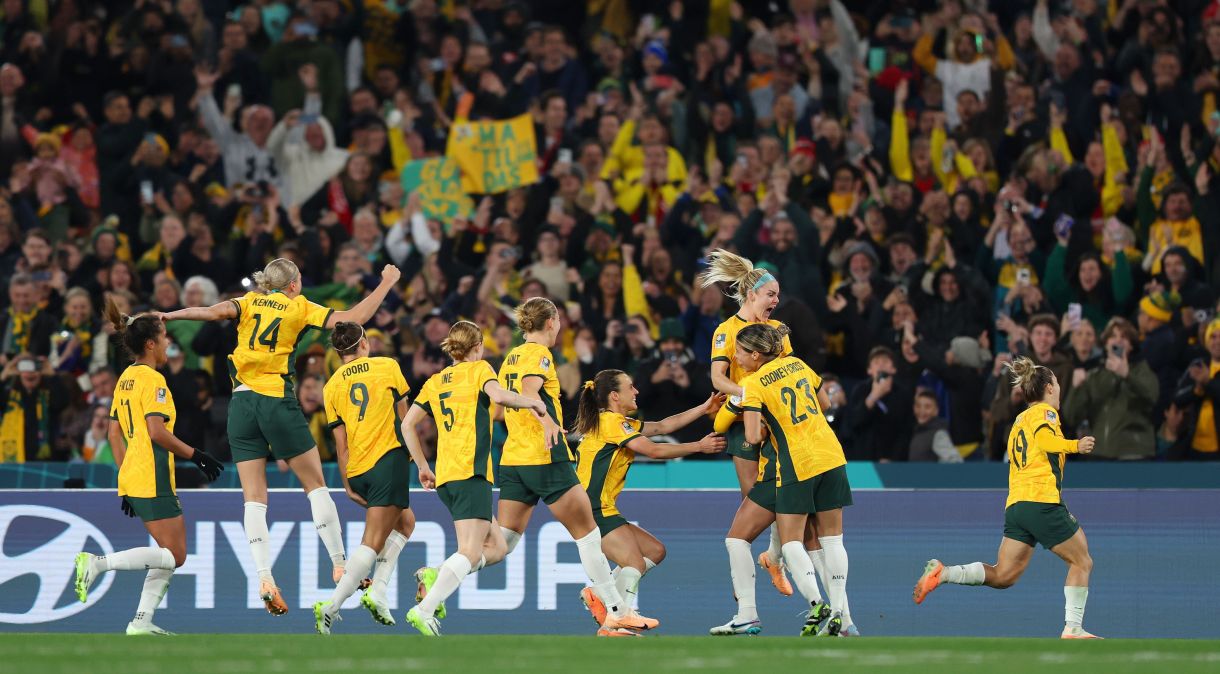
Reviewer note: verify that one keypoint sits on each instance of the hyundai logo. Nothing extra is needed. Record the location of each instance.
(50, 562)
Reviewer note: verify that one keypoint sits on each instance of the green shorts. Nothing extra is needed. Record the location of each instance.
(826, 491)
(528, 484)
(608, 523)
(763, 494)
(156, 507)
(258, 422)
(735, 443)
(387, 483)
(468, 499)
(1047, 523)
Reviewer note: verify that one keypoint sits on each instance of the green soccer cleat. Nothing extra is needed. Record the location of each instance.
(148, 629)
(377, 609)
(818, 614)
(425, 578)
(832, 626)
(84, 575)
(429, 627)
(323, 618)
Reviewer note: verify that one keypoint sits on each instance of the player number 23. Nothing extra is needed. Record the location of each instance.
(789, 396)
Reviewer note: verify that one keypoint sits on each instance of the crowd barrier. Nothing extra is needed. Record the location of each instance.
(1146, 545)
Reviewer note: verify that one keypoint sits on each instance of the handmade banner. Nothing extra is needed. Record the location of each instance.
(494, 156)
(439, 185)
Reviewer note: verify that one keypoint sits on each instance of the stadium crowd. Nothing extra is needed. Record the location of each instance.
(937, 186)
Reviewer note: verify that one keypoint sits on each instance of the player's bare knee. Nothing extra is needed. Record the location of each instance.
(1085, 563)
(657, 554)
(179, 553)
(406, 524)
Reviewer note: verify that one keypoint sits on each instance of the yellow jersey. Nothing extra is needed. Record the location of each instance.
(784, 391)
(526, 444)
(268, 329)
(724, 344)
(148, 468)
(766, 451)
(605, 460)
(1036, 449)
(362, 396)
(455, 398)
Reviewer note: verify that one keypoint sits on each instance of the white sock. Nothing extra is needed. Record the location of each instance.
(326, 520)
(1074, 598)
(649, 565)
(802, 571)
(257, 535)
(627, 582)
(775, 549)
(741, 569)
(482, 563)
(818, 557)
(136, 559)
(386, 562)
(512, 538)
(356, 570)
(836, 579)
(598, 569)
(965, 574)
(156, 583)
(448, 578)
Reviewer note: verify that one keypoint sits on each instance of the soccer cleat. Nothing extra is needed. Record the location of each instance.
(616, 632)
(84, 575)
(734, 628)
(429, 627)
(322, 617)
(594, 605)
(272, 599)
(849, 631)
(929, 581)
(147, 629)
(833, 627)
(425, 578)
(819, 613)
(778, 578)
(379, 611)
(1077, 633)
(632, 621)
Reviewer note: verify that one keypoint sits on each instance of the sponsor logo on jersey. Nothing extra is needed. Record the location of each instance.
(37, 544)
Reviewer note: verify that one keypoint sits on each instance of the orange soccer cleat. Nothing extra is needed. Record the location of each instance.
(929, 581)
(270, 594)
(616, 632)
(1077, 633)
(632, 621)
(594, 604)
(778, 578)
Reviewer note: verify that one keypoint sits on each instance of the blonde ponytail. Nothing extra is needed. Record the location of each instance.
(1031, 378)
(277, 275)
(735, 270)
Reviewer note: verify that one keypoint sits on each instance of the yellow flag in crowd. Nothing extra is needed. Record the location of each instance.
(494, 156)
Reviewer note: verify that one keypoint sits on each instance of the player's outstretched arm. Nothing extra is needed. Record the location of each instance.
(710, 444)
(683, 419)
(217, 312)
(365, 308)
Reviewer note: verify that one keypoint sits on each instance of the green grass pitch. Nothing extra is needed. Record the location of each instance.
(290, 654)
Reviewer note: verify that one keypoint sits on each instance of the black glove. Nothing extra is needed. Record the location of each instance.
(208, 464)
(127, 509)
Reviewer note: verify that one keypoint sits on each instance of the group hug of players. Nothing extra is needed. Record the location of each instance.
(768, 416)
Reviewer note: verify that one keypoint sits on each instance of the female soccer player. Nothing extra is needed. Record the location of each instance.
(610, 442)
(757, 294)
(142, 420)
(364, 400)
(1034, 512)
(810, 470)
(459, 398)
(265, 419)
(533, 467)
(755, 514)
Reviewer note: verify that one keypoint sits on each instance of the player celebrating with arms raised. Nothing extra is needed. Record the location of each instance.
(142, 434)
(364, 400)
(265, 418)
(810, 471)
(607, 449)
(1034, 512)
(459, 398)
(757, 294)
(534, 467)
